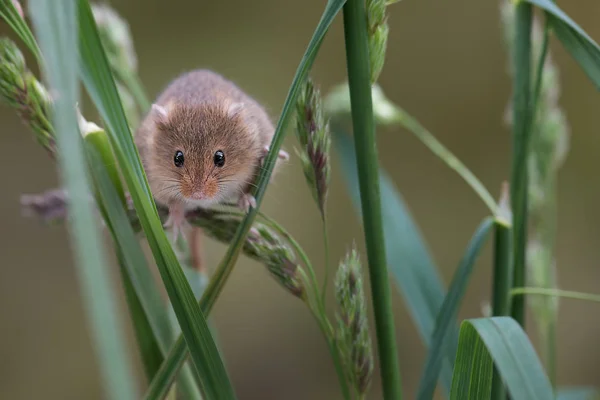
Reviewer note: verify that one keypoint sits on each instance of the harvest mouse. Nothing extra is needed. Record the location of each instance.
(203, 143)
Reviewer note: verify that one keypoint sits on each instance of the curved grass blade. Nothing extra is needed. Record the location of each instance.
(578, 393)
(99, 82)
(149, 310)
(9, 14)
(440, 345)
(577, 42)
(500, 340)
(409, 260)
(178, 351)
(56, 25)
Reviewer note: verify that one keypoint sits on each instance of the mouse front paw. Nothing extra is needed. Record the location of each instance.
(282, 155)
(246, 201)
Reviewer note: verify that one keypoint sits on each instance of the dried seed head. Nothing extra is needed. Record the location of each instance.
(314, 137)
(20, 89)
(353, 323)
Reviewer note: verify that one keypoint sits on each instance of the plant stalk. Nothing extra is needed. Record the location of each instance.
(357, 55)
(521, 139)
(502, 283)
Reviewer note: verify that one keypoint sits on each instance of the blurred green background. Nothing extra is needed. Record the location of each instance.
(446, 65)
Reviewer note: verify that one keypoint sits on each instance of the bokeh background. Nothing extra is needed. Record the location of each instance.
(446, 65)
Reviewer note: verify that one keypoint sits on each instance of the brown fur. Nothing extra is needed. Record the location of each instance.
(202, 116)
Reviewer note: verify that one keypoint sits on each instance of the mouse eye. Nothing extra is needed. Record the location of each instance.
(219, 158)
(178, 159)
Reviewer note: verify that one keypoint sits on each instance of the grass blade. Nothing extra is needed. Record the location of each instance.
(504, 342)
(149, 310)
(98, 79)
(577, 42)
(409, 260)
(440, 345)
(359, 81)
(10, 15)
(56, 25)
(178, 351)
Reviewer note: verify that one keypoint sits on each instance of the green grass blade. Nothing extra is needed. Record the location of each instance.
(577, 42)
(150, 353)
(56, 25)
(217, 282)
(363, 122)
(440, 345)
(409, 260)
(504, 342)
(146, 303)
(99, 82)
(9, 14)
(578, 393)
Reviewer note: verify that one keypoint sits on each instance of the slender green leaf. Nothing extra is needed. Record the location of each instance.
(56, 25)
(440, 345)
(410, 262)
(504, 342)
(99, 82)
(578, 393)
(577, 42)
(9, 14)
(178, 351)
(153, 313)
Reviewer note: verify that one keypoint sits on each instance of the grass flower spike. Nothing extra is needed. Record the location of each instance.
(353, 329)
(313, 133)
(20, 89)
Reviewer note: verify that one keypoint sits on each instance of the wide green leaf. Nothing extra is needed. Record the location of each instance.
(440, 345)
(501, 341)
(56, 26)
(178, 351)
(99, 82)
(577, 42)
(408, 258)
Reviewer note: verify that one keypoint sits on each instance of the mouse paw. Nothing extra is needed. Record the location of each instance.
(176, 222)
(283, 155)
(246, 201)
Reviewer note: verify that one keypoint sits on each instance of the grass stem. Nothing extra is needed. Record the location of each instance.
(521, 139)
(357, 54)
(565, 294)
(502, 282)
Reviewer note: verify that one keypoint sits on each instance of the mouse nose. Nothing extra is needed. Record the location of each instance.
(198, 195)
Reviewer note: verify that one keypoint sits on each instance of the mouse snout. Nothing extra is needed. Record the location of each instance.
(199, 195)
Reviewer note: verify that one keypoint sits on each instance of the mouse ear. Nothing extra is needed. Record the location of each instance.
(159, 112)
(234, 109)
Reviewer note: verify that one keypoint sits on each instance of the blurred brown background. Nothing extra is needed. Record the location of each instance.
(446, 65)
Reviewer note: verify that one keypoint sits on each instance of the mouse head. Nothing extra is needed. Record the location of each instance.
(202, 154)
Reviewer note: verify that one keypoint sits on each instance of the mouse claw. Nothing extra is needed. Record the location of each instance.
(283, 155)
(246, 201)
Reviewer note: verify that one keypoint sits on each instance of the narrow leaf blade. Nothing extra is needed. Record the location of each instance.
(440, 345)
(577, 42)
